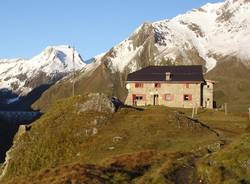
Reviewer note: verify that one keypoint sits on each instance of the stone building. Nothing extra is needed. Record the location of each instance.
(173, 86)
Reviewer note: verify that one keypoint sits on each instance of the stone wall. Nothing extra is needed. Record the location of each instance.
(175, 92)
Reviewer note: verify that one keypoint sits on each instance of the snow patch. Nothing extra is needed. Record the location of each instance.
(12, 100)
(124, 54)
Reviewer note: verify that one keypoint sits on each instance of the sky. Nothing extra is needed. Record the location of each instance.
(27, 27)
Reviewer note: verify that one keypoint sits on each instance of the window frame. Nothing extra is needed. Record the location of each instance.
(139, 98)
(139, 85)
(171, 97)
(189, 97)
(157, 85)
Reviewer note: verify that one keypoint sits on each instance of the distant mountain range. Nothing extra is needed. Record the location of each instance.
(18, 77)
(214, 35)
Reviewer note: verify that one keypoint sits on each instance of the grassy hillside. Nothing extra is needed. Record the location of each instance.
(231, 165)
(100, 81)
(233, 84)
(154, 145)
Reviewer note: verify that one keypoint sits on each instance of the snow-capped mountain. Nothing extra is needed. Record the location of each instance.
(21, 76)
(210, 35)
(216, 36)
(201, 36)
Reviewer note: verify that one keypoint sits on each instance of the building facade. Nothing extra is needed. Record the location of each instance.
(173, 86)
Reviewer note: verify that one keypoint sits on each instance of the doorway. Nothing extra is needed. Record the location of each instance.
(156, 100)
(207, 103)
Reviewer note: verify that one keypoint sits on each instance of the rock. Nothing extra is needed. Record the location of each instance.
(96, 102)
(214, 147)
(94, 131)
(117, 139)
(94, 122)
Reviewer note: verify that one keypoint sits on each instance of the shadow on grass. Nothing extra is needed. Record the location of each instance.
(202, 111)
(119, 105)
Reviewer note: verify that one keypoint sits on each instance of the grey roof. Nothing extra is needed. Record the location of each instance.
(158, 73)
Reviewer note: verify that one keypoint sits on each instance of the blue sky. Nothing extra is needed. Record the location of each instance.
(92, 26)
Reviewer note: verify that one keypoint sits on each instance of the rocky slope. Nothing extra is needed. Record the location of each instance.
(18, 77)
(214, 35)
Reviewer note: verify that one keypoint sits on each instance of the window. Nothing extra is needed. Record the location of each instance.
(187, 97)
(139, 98)
(157, 85)
(169, 97)
(187, 85)
(138, 85)
(208, 86)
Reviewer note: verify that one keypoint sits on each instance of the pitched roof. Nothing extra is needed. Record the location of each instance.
(158, 73)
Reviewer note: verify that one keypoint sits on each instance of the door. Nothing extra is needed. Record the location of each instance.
(156, 99)
(207, 104)
(134, 100)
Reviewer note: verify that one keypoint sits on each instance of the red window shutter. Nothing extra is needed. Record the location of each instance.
(157, 85)
(190, 97)
(169, 97)
(133, 96)
(139, 85)
(144, 97)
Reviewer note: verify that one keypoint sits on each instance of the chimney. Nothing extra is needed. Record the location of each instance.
(168, 76)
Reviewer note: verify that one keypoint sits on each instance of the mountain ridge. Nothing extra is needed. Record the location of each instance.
(178, 39)
(20, 76)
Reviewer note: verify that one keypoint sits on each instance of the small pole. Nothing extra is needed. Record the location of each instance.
(196, 109)
(193, 111)
(73, 87)
(249, 113)
(226, 109)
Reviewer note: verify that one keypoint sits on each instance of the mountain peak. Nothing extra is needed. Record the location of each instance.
(61, 55)
(203, 36)
(21, 76)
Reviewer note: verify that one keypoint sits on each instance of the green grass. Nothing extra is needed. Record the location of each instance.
(231, 165)
(148, 142)
(152, 129)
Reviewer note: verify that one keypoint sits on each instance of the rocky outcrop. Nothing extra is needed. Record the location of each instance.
(97, 102)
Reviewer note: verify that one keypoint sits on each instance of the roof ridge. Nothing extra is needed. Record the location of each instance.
(158, 73)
